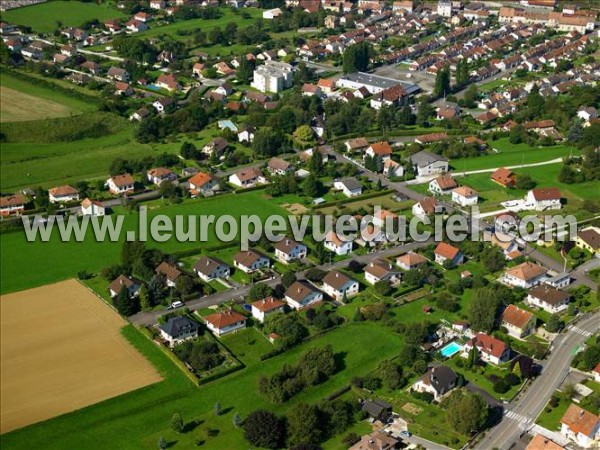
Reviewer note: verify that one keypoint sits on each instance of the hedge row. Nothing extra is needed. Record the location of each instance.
(354, 199)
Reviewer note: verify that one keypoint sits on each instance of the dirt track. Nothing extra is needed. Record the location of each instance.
(60, 350)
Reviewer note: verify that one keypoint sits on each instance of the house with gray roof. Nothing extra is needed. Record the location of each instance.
(179, 329)
(426, 163)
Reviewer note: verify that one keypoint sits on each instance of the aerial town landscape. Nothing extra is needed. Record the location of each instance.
(141, 113)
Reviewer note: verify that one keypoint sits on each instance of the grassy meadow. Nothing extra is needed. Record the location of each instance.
(47, 17)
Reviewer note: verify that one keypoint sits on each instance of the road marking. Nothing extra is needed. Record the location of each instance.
(517, 417)
(582, 332)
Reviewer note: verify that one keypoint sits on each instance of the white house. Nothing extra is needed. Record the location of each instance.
(203, 183)
(442, 185)
(246, 134)
(170, 272)
(12, 204)
(301, 294)
(392, 169)
(273, 76)
(446, 252)
(287, 250)
(541, 199)
(349, 186)
(92, 208)
(437, 381)
(262, 308)
(580, 426)
(548, 298)
(209, 268)
(64, 193)
(336, 245)
(246, 178)
(271, 14)
(425, 207)
(465, 196)
(410, 261)
(381, 149)
(158, 175)
(525, 275)
(225, 322)
(489, 349)
(179, 329)
(380, 270)
(588, 113)
(517, 321)
(426, 163)
(132, 285)
(250, 261)
(120, 184)
(336, 284)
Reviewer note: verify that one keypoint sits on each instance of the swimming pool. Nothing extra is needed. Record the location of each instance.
(451, 349)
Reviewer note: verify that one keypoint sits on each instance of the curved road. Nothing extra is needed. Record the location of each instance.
(524, 411)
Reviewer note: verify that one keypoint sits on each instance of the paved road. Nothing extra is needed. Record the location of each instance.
(523, 412)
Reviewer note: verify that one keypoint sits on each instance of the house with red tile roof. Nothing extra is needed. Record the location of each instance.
(580, 426)
(504, 177)
(525, 275)
(517, 321)
(120, 184)
(410, 261)
(542, 199)
(489, 349)
(446, 252)
(262, 308)
(225, 322)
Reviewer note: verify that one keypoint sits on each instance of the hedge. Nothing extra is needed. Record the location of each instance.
(355, 199)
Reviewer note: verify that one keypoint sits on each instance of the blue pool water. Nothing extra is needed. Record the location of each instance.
(153, 87)
(450, 349)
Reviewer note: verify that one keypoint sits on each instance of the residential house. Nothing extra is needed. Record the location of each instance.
(92, 208)
(143, 16)
(217, 146)
(507, 243)
(442, 185)
(209, 268)
(437, 381)
(381, 270)
(287, 250)
(404, 5)
(273, 76)
(580, 426)
(489, 349)
(159, 175)
(179, 329)
(339, 285)
(392, 169)
(301, 294)
(517, 321)
(525, 275)
(377, 409)
(426, 163)
(246, 134)
(122, 281)
(225, 322)
(168, 81)
(64, 193)
(271, 14)
(262, 308)
(203, 183)
(542, 199)
(170, 272)
(279, 166)
(465, 196)
(248, 177)
(560, 280)
(12, 204)
(116, 73)
(136, 26)
(123, 89)
(163, 105)
(250, 261)
(197, 69)
(589, 239)
(587, 114)
(120, 184)
(381, 150)
(349, 186)
(504, 177)
(548, 298)
(426, 207)
(431, 138)
(326, 85)
(356, 144)
(308, 90)
(377, 440)
(157, 4)
(383, 217)
(410, 261)
(541, 442)
(446, 252)
(336, 245)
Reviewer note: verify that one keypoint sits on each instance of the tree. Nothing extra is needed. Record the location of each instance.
(288, 326)
(390, 374)
(184, 284)
(554, 324)
(383, 287)
(517, 135)
(524, 181)
(162, 443)
(144, 297)
(471, 96)
(288, 278)
(442, 82)
(493, 260)
(218, 409)
(304, 424)
(482, 311)
(465, 412)
(356, 57)
(264, 429)
(304, 134)
(310, 186)
(177, 423)
(126, 306)
(237, 420)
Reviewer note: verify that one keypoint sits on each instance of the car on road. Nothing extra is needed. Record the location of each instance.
(405, 434)
(175, 305)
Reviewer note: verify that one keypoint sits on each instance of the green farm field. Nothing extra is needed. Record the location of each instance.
(140, 419)
(512, 155)
(16, 106)
(25, 264)
(43, 17)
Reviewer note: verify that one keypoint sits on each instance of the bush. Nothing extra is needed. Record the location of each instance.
(511, 379)
(501, 386)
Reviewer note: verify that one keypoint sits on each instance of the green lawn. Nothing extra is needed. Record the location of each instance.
(45, 17)
(550, 417)
(511, 155)
(175, 29)
(248, 345)
(25, 264)
(139, 419)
